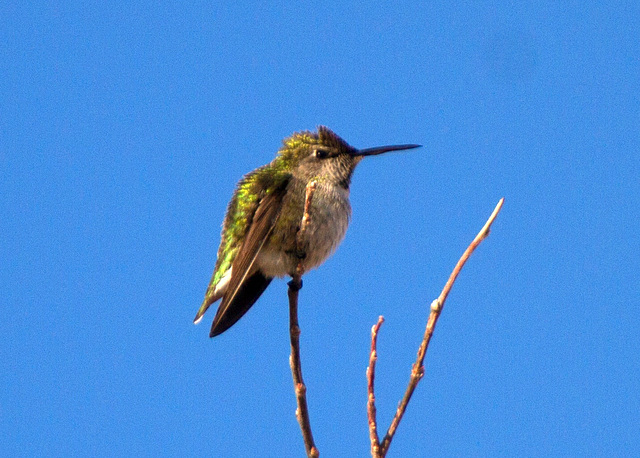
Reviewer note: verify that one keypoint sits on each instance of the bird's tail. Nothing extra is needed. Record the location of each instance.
(212, 295)
(203, 308)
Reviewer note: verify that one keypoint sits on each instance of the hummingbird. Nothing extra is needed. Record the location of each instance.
(258, 240)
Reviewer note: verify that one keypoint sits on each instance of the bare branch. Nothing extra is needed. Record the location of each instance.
(417, 370)
(302, 411)
(309, 192)
(371, 402)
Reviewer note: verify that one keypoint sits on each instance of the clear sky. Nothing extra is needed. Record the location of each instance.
(124, 127)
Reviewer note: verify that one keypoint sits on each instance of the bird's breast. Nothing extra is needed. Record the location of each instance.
(329, 214)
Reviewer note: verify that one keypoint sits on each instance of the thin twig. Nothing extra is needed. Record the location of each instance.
(371, 402)
(302, 411)
(417, 370)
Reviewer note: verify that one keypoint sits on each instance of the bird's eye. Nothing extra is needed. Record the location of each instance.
(321, 153)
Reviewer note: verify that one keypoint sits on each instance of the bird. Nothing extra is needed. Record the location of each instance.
(258, 239)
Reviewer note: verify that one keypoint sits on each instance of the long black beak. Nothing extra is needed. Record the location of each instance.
(382, 149)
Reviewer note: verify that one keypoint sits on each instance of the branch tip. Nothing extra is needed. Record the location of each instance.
(300, 389)
(417, 369)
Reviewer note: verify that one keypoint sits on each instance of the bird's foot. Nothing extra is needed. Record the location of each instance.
(295, 284)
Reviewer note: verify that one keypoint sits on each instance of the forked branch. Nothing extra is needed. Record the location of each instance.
(380, 449)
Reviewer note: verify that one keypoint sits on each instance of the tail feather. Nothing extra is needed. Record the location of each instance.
(203, 308)
(214, 292)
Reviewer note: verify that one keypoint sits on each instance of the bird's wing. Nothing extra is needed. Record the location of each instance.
(246, 284)
(247, 294)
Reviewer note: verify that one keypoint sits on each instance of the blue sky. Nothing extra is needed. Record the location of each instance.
(125, 126)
